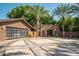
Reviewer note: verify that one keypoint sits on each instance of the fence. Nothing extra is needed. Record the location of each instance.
(71, 34)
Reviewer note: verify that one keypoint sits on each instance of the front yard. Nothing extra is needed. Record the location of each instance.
(40, 46)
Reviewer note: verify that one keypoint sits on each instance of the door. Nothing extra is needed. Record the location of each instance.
(12, 33)
(49, 33)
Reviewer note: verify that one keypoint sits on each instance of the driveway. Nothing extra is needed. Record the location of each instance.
(41, 46)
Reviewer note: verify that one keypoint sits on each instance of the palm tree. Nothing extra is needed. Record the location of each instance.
(63, 10)
(76, 12)
(39, 12)
(69, 23)
(76, 9)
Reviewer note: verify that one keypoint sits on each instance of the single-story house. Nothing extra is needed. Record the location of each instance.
(14, 28)
(19, 28)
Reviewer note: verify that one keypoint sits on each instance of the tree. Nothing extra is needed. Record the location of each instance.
(39, 11)
(75, 8)
(22, 12)
(47, 20)
(69, 23)
(76, 25)
(63, 10)
(19, 11)
(76, 13)
(31, 14)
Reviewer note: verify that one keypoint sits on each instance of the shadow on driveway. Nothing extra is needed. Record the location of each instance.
(65, 49)
(16, 53)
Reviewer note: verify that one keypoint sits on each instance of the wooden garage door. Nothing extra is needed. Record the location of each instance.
(15, 33)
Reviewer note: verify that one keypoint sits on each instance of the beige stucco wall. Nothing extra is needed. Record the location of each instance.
(16, 24)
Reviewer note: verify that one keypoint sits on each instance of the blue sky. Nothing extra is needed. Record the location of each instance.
(6, 7)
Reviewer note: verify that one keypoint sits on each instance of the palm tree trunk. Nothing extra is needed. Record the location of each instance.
(63, 32)
(38, 25)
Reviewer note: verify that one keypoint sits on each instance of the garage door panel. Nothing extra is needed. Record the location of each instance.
(15, 32)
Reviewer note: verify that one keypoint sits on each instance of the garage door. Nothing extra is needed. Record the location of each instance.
(15, 33)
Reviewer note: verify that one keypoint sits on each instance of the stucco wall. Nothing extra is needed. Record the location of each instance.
(71, 34)
(16, 24)
(2, 36)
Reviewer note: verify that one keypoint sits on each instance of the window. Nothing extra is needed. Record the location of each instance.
(15, 33)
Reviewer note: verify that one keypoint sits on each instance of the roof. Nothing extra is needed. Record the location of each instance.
(4, 20)
(48, 26)
(15, 19)
(43, 27)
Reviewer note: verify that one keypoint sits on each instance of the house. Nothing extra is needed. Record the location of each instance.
(48, 30)
(14, 28)
(19, 28)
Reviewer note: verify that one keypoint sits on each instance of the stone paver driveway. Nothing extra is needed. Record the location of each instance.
(41, 46)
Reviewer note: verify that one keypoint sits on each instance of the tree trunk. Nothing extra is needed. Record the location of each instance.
(63, 32)
(40, 30)
(38, 25)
